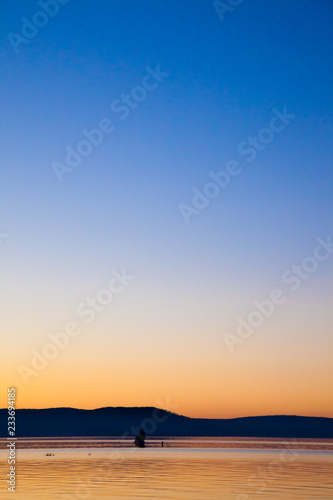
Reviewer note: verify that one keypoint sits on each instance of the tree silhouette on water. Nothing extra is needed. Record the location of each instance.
(140, 439)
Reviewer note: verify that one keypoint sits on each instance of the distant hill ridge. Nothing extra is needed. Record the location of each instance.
(120, 421)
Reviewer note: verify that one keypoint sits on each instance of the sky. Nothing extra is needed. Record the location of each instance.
(164, 168)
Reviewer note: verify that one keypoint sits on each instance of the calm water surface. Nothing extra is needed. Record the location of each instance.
(186, 468)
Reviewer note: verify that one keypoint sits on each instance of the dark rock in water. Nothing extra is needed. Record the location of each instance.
(140, 439)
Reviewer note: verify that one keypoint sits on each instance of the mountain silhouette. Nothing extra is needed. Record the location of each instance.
(119, 421)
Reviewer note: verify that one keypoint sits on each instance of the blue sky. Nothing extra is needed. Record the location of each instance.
(120, 206)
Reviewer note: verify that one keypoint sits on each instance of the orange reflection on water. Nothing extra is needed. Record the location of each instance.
(172, 473)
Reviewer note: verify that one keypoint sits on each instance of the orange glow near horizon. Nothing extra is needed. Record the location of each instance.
(273, 372)
(193, 387)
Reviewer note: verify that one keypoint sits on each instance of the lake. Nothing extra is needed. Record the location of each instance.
(185, 468)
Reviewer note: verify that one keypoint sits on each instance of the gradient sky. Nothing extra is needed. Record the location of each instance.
(160, 341)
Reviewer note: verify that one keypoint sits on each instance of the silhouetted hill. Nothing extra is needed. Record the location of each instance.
(57, 422)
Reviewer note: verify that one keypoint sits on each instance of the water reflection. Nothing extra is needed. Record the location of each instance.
(173, 473)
